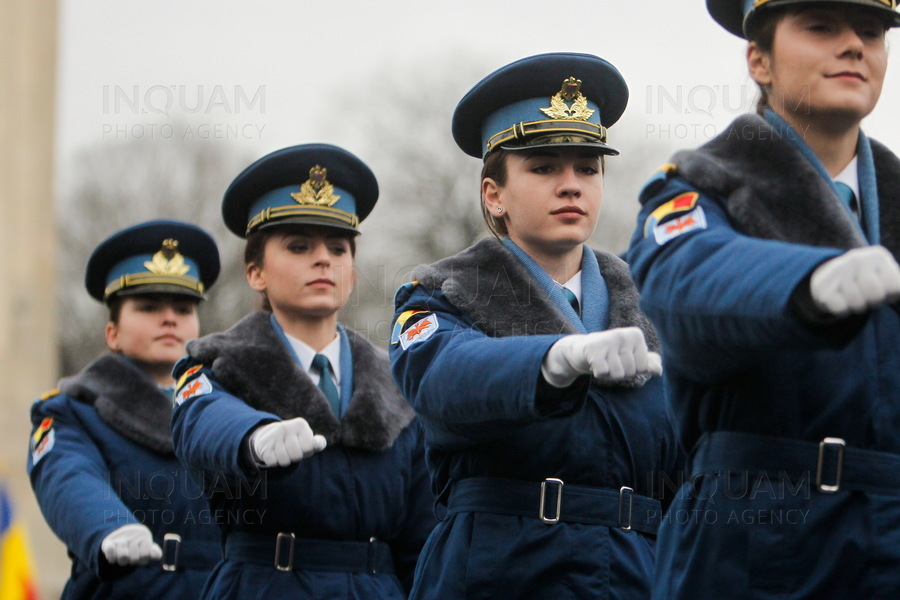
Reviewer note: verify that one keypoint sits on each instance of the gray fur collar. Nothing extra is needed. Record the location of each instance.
(747, 166)
(126, 399)
(250, 360)
(494, 289)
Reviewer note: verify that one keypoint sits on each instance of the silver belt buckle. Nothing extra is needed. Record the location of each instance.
(289, 539)
(559, 489)
(372, 556)
(626, 507)
(170, 547)
(840, 445)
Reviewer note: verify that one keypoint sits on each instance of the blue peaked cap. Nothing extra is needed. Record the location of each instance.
(155, 257)
(734, 15)
(555, 99)
(309, 184)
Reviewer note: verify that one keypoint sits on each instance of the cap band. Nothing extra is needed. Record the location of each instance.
(521, 131)
(283, 212)
(136, 279)
(569, 113)
(299, 201)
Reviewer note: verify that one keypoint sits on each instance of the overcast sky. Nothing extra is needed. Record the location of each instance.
(262, 75)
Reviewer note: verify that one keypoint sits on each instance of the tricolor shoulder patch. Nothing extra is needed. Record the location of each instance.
(187, 375)
(677, 205)
(198, 387)
(42, 440)
(419, 331)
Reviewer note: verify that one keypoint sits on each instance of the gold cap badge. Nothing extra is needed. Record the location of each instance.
(168, 261)
(570, 92)
(317, 190)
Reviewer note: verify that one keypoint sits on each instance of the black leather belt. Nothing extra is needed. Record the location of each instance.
(553, 501)
(287, 552)
(835, 466)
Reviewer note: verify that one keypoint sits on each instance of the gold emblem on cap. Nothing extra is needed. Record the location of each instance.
(168, 261)
(316, 190)
(571, 93)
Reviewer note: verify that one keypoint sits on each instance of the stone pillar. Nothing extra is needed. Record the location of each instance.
(28, 340)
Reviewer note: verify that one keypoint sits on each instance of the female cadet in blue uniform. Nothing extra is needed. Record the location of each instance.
(101, 460)
(545, 427)
(258, 403)
(774, 301)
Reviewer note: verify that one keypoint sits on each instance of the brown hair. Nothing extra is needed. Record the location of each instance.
(115, 309)
(255, 249)
(494, 168)
(255, 254)
(761, 31)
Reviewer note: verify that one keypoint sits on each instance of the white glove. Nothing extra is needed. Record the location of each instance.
(856, 281)
(130, 545)
(280, 444)
(611, 355)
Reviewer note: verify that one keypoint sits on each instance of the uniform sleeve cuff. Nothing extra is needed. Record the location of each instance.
(557, 402)
(837, 331)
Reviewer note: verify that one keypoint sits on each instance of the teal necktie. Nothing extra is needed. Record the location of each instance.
(570, 296)
(845, 193)
(323, 365)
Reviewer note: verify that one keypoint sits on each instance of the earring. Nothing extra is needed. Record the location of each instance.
(499, 209)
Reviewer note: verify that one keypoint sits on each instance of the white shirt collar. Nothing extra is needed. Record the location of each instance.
(850, 176)
(574, 286)
(306, 354)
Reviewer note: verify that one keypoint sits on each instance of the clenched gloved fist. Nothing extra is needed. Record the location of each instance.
(611, 355)
(130, 545)
(856, 281)
(280, 444)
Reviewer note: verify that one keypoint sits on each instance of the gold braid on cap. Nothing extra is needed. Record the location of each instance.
(315, 198)
(166, 267)
(284, 212)
(568, 121)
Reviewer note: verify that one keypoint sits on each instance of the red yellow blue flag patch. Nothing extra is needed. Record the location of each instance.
(42, 440)
(677, 205)
(187, 375)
